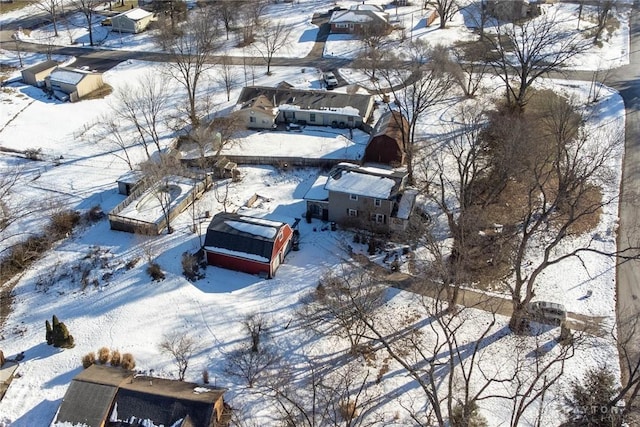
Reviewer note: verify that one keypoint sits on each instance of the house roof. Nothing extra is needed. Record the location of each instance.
(242, 236)
(135, 14)
(261, 103)
(98, 389)
(71, 76)
(360, 13)
(318, 192)
(389, 124)
(308, 99)
(42, 66)
(378, 183)
(131, 177)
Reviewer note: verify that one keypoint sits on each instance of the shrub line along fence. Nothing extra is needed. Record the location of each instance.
(132, 225)
(278, 161)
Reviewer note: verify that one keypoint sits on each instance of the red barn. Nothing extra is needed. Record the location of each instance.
(386, 142)
(245, 243)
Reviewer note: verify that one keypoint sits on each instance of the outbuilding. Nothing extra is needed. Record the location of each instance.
(35, 75)
(72, 83)
(247, 243)
(132, 21)
(386, 144)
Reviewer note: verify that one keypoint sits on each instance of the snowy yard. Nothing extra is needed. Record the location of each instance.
(123, 309)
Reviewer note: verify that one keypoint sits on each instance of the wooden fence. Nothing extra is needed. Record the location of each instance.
(133, 225)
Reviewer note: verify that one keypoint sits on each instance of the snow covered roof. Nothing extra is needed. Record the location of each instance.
(71, 76)
(317, 191)
(346, 111)
(407, 201)
(309, 99)
(371, 182)
(135, 14)
(242, 234)
(359, 13)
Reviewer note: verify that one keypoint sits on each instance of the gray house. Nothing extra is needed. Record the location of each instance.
(364, 197)
(313, 107)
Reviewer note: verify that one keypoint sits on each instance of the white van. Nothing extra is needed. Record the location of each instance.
(547, 312)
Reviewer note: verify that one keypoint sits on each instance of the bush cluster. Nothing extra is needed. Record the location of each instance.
(113, 357)
(191, 267)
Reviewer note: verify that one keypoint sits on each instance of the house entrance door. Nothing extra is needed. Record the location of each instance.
(325, 214)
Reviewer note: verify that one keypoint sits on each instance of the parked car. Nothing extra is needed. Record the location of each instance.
(330, 80)
(547, 312)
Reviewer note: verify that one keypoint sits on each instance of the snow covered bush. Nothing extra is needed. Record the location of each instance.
(191, 267)
(155, 271)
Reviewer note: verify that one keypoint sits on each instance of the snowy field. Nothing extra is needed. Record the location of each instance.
(125, 310)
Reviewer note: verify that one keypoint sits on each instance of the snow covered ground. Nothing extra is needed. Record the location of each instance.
(125, 310)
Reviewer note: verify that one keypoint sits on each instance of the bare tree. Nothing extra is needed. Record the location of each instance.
(373, 37)
(465, 63)
(181, 347)
(87, 8)
(143, 106)
(339, 302)
(51, 7)
(425, 85)
(189, 53)
(604, 11)
(109, 129)
(522, 53)
(227, 75)
(161, 173)
(227, 12)
(250, 17)
(272, 38)
(446, 10)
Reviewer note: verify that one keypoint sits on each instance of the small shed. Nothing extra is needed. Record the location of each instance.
(132, 21)
(317, 199)
(72, 84)
(36, 74)
(247, 243)
(128, 181)
(386, 144)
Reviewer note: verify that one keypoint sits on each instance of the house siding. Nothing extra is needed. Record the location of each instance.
(340, 203)
(36, 79)
(322, 118)
(262, 119)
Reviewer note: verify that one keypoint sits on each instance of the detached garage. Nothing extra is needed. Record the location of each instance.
(36, 74)
(249, 244)
(132, 21)
(72, 83)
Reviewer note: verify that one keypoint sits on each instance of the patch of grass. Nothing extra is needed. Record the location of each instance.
(99, 93)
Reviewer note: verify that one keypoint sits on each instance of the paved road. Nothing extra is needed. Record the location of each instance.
(627, 81)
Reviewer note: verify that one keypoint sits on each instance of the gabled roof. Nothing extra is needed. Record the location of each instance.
(260, 102)
(135, 14)
(242, 235)
(374, 182)
(318, 192)
(360, 13)
(389, 124)
(41, 66)
(86, 403)
(308, 99)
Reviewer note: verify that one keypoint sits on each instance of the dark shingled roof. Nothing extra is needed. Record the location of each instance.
(96, 390)
(86, 403)
(221, 235)
(162, 410)
(308, 99)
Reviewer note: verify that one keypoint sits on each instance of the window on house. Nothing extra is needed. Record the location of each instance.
(342, 25)
(377, 203)
(378, 218)
(352, 212)
(280, 235)
(312, 117)
(252, 119)
(353, 197)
